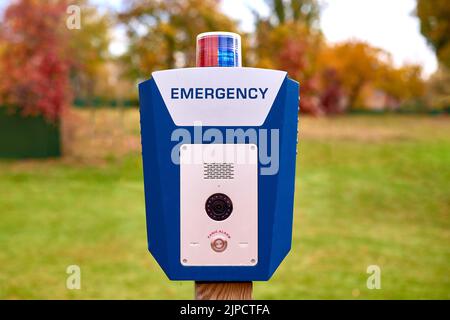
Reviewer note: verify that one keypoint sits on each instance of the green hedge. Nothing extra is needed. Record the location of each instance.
(411, 111)
(28, 137)
(103, 102)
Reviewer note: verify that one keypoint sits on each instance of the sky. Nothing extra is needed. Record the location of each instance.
(387, 24)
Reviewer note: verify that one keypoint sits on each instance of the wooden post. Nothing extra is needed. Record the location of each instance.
(223, 290)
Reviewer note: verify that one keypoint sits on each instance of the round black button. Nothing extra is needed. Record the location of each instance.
(219, 206)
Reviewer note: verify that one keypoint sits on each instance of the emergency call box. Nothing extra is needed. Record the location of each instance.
(219, 153)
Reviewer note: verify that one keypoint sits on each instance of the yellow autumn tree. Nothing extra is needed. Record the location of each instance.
(356, 64)
(361, 69)
(435, 26)
(434, 18)
(162, 34)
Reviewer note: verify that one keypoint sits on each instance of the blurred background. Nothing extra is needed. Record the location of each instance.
(373, 168)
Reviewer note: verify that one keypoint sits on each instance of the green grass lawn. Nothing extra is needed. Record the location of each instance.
(370, 190)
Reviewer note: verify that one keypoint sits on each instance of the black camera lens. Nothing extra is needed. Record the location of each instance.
(219, 206)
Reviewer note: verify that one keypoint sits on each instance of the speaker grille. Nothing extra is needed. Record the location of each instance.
(214, 170)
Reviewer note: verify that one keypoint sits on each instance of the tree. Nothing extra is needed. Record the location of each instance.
(304, 11)
(435, 26)
(34, 58)
(162, 34)
(438, 89)
(359, 66)
(356, 65)
(404, 84)
(89, 52)
(289, 39)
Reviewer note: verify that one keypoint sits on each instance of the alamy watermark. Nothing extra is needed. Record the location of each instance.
(73, 21)
(73, 281)
(374, 280)
(268, 141)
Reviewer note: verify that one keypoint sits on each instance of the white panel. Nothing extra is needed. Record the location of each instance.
(197, 184)
(219, 112)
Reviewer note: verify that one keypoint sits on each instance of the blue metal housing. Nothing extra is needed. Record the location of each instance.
(162, 191)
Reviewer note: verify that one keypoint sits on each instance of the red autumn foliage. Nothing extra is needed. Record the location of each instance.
(332, 93)
(294, 58)
(34, 63)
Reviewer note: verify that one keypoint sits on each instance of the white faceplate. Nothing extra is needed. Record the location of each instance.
(219, 112)
(230, 169)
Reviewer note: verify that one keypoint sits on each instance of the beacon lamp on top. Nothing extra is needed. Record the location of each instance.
(215, 210)
(219, 49)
